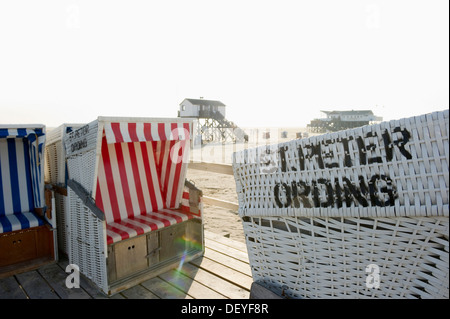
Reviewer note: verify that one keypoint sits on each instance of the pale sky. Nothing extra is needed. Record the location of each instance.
(272, 62)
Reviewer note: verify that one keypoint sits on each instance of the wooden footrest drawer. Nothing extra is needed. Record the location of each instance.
(24, 245)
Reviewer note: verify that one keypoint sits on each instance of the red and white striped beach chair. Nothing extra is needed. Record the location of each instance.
(132, 216)
(26, 220)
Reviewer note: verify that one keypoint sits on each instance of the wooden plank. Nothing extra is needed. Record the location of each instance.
(221, 273)
(226, 260)
(226, 250)
(237, 278)
(190, 286)
(220, 203)
(11, 270)
(163, 289)
(35, 286)
(260, 292)
(56, 278)
(10, 289)
(226, 241)
(220, 285)
(226, 169)
(138, 292)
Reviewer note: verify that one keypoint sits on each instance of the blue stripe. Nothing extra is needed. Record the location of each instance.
(2, 196)
(24, 222)
(35, 180)
(26, 151)
(6, 224)
(14, 176)
(21, 132)
(3, 132)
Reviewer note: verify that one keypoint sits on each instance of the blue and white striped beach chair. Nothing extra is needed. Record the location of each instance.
(25, 220)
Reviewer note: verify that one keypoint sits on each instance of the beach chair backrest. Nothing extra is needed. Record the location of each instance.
(21, 174)
(141, 168)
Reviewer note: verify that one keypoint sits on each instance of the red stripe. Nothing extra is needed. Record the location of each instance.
(152, 225)
(168, 165)
(148, 131)
(186, 195)
(157, 156)
(123, 234)
(149, 176)
(139, 230)
(141, 220)
(132, 132)
(110, 180)
(137, 179)
(124, 179)
(160, 170)
(162, 131)
(174, 131)
(165, 221)
(177, 218)
(185, 209)
(187, 128)
(177, 175)
(98, 198)
(117, 133)
(158, 160)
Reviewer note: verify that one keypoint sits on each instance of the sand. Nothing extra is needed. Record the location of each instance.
(219, 220)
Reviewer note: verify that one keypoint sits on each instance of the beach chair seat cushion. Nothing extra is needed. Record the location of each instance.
(19, 221)
(142, 224)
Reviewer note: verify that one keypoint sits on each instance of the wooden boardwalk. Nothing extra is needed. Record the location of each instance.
(222, 273)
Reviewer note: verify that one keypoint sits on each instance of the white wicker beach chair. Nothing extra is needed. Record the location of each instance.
(360, 213)
(56, 177)
(27, 221)
(132, 216)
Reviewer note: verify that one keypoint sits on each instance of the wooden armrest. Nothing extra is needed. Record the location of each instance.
(85, 198)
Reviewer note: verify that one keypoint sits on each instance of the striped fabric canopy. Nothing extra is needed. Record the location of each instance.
(141, 168)
(140, 132)
(21, 176)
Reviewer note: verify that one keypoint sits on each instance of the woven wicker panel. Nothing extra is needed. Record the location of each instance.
(87, 242)
(50, 161)
(324, 216)
(396, 168)
(327, 257)
(82, 168)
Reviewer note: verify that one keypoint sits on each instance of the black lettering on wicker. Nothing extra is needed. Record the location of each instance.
(378, 191)
(78, 145)
(328, 155)
(388, 146)
(287, 195)
(314, 152)
(300, 192)
(353, 192)
(347, 158)
(328, 191)
(401, 142)
(322, 155)
(338, 193)
(282, 150)
(301, 157)
(365, 147)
